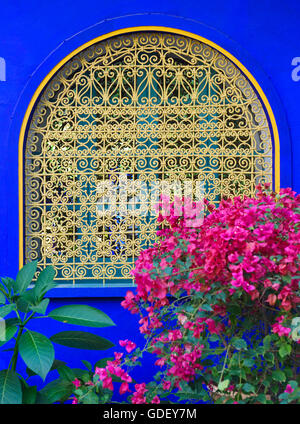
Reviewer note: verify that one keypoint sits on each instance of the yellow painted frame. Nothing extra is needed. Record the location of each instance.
(125, 31)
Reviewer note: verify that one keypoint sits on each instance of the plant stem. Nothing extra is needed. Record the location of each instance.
(16, 349)
(224, 364)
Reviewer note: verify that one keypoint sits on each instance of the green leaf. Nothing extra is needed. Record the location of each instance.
(289, 372)
(87, 364)
(11, 322)
(37, 352)
(266, 382)
(269, 356)
(26, 300)
(223, 385)
(286, 278)
(267, 343)
(41, 307)
(7, 309)
(81, 315)
(56, 364)
(2, 298)
(45, 281)
(248, 362)
(41, 399)
(56, 390)
(69, 374)
(8, 282)
(261, 398)
(293, 384)
(283, 397)
(66, 373)
(81, 340)
(278, 375)
(25, 276)
(10, 388)
(248, 388)
(285, 350)
(239, 343)
(90, 399)
(29, 395)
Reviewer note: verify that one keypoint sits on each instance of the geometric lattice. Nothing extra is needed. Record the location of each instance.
(148, 105)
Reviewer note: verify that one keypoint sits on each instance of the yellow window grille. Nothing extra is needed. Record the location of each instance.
(147, 105)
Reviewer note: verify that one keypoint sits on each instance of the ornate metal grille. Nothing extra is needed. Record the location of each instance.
(150, 105)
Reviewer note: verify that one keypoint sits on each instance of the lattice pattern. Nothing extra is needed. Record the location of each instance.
(152, 106)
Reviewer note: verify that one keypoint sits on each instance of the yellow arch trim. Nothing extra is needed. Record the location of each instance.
(125, 31)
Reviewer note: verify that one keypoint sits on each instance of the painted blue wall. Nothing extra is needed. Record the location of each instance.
(36, 34)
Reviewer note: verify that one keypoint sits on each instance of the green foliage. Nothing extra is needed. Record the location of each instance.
(10, 388)
(25, 277)
(29, 395)
(56, 391)
(81, 340)
(81, 315)
(37, 352)
(26, 300)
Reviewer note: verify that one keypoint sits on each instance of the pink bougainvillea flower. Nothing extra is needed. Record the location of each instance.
(107, 383)
(288, 389)
(166, 385)
(101, 372)
(138, 396)
(76, 383)
(129, 345)
(279, 328)
(160, 362)
(124, 388)
(155, 399)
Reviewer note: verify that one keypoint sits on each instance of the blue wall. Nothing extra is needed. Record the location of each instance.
(36, 34)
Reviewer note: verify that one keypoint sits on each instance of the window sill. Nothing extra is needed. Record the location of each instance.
(83, 291)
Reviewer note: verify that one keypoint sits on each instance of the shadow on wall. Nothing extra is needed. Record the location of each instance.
(2, 69)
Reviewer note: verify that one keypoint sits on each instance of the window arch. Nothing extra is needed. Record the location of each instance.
(147, 104)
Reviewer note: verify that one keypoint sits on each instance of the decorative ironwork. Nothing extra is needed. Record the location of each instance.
(150, 105)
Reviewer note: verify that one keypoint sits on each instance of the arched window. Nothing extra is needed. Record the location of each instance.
(147, 105)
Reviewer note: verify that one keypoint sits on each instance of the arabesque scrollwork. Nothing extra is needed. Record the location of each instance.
(149, 105)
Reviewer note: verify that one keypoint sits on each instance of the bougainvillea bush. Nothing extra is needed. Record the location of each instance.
(218, 305)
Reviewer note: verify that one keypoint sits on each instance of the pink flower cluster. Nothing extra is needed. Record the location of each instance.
(184, 363)
(245, 249)
(139, 397)
(114, 368)
(249, 244)
(280, 329)
(129, 345)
